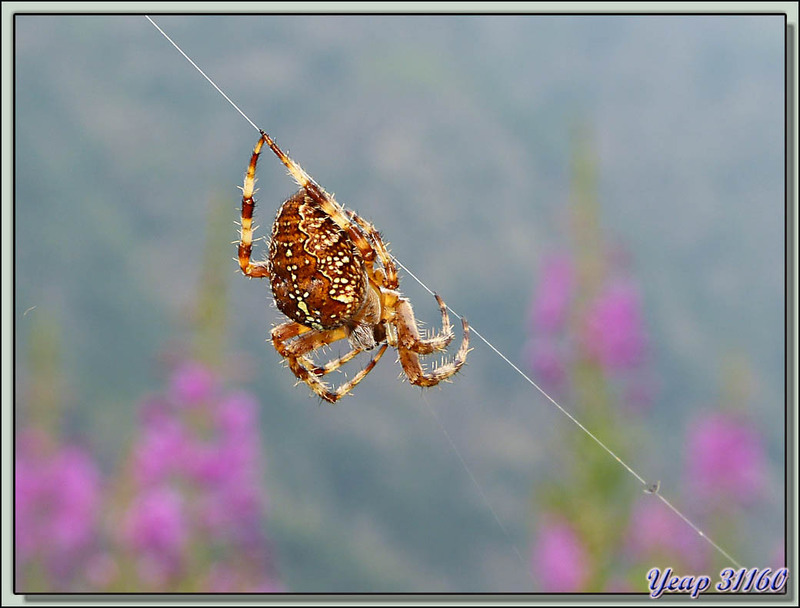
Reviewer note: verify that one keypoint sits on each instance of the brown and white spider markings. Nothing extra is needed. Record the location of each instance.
(331, 274)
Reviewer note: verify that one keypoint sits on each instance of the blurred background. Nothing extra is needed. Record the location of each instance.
(601, 196)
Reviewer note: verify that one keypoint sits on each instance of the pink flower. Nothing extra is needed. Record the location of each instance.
(726, 458)
(560, 560)
(191, 384)
(160, 450)
(76, 490)
(198, 473)
(30, 497)
(156, 529)
(614, 333)
(547, 362)
(551, 305)
(205, 463)
(237, 414)
(268, 585)
(233, 504)
(223, 579)
(57, 496)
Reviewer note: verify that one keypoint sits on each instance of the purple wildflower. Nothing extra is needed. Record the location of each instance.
(223, 579)
(237, 414)
(30, 491)
(204, 463)
(156, 529)
(614, 333)
(547, 362)
(560, 560)
(191, 384)
(551, 305)
(160, 450)
(227, 466)
(726, 458)
(198, 475)
(78, 494)
(57, 495)
(268, 585)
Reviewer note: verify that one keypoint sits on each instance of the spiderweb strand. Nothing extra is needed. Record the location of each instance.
(196, 67)
(536, 386)
(463, 462)
(647, 486)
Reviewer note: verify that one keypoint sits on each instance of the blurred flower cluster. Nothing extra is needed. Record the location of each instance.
(184, 513)
(57, 504)
(589, 348)
(183, 509)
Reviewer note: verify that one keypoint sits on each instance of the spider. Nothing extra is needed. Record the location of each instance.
(332, 275)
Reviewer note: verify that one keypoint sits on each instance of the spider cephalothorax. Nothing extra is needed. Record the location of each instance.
(331, 273)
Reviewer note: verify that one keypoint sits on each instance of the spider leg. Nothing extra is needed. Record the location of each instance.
(297, 365)
(411, 338)
(419, 345)
(410, 346)
(325, 200)
(389, 317)
(334, 364)
(249, 268)
(364, 236)
(389, 267)
(308, 341)
(439, 341)
(422, 346)
(304, 341)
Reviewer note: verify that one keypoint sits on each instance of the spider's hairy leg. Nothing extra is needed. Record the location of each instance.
(294, 341)
(330, 366)
(308, 340)
(442, 339)
(410, 346)
(297, 365)
(285, 332)
(249, 268)
(408, 330)
(322, 198)
(389, 268)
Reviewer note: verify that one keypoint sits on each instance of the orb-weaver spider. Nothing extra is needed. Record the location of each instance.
(331, 274)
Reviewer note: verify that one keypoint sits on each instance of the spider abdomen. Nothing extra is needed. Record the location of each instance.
(317, 274)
